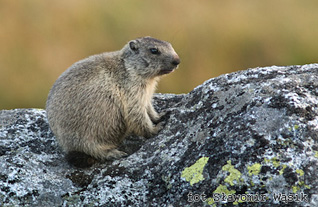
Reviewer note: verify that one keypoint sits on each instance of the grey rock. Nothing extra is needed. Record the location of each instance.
(250, 135)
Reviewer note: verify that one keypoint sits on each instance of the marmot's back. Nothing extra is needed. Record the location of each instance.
(98, 101)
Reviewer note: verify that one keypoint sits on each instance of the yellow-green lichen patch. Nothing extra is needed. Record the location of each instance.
(254, 169)
(300, 172)
(316, 154)
(277, 164)
(294, 128)
(302, 183)
(273, 160)
(221, 189)
(295, 188)
(210, 201)
(234, 173)
(193, 174)
(282, 170)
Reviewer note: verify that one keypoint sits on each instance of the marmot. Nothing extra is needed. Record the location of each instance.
(100, 100)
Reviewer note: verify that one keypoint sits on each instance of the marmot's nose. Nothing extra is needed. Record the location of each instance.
(176, 61)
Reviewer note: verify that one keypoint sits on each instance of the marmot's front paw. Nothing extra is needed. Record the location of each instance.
(114, 154)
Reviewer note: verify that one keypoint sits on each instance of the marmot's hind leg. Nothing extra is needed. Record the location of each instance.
(106, 152)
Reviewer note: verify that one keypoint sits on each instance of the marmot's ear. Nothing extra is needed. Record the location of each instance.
(133, 46)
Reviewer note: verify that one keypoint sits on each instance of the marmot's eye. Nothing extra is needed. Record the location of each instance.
(154, 51)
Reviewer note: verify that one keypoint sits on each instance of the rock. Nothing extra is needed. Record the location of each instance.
(238, 138)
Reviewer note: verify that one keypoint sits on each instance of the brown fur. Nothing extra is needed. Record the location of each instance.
(100, 100)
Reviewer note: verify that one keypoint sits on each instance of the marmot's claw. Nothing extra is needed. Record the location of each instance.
(115, 154)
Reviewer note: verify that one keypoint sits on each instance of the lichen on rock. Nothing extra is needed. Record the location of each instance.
(193, 174)
(246, 135)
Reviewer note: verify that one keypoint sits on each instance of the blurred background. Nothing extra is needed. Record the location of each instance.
(39, 39)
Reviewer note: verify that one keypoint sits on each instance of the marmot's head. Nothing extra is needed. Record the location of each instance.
(150, 57)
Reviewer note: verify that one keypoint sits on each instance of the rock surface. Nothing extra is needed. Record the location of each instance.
(247, 138)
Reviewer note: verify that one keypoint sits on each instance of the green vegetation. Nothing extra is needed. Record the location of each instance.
(40, 39)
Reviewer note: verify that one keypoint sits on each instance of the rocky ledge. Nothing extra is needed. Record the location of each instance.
(247, 138)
